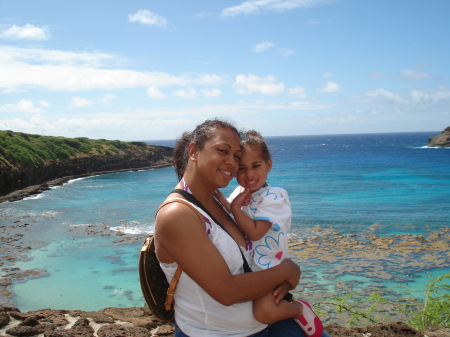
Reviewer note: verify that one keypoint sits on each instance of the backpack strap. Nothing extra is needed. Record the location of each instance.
(173, 284)
(197, 203)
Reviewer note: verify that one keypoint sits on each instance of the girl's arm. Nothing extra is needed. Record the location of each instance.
(180, 237)
(255, 230)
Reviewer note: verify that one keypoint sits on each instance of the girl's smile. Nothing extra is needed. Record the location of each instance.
(253, 169)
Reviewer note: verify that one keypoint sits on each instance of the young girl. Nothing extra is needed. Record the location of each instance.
(263, 212)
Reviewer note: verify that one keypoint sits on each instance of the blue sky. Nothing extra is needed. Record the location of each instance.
(148, 70)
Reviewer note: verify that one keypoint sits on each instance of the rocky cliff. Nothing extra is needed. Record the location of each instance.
(22, 169)
(441, 140)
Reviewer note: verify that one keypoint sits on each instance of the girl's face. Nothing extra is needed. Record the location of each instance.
(253, 169)
(218, 160)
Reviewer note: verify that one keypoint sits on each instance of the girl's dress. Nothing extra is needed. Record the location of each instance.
(269, 203)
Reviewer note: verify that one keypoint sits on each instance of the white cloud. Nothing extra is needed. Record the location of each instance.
(286, 52)
(263, 46)
(185, 93)
(330, 87)
(420, 96)
(255, 6)
(418, 99)
(377, 74)
(252, 84)
(34, 56)
(163, 123)
(45, 104)
(212, 92)
(19, 70)
(24, 105)
(298, 92)
(413, 75)
(316, 22)
(78, 101)
(385, 95)
(149, 18)
(327, 75)
(154, 92)
(28, 31)
(106, 99)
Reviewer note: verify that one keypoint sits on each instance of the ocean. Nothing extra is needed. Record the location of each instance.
(384, 184)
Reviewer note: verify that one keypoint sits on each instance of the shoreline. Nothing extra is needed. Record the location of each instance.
(37, 189)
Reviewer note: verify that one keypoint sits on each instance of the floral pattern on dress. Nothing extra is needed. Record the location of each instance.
(270, 251)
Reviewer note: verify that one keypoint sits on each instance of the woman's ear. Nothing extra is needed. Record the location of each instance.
(193, 151)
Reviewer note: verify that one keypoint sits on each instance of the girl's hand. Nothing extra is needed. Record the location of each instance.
(280, 291)
(242, 199)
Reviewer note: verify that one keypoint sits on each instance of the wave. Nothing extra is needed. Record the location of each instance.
(34, 196)
(76, 179)
(135, 228)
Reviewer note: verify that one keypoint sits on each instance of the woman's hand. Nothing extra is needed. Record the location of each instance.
(293, 272)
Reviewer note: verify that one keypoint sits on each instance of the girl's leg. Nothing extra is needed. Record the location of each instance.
(288, 328)
(267, 311)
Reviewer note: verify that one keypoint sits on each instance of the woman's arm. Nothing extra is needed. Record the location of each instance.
(180, 237)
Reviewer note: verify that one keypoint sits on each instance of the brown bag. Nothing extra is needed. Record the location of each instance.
(157, 292)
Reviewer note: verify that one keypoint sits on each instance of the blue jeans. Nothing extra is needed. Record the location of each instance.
(286, 328)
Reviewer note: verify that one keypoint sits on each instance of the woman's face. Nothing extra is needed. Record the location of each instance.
(218, 160)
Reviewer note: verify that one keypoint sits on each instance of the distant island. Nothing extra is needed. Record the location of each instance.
(32, 163)
(441, 140)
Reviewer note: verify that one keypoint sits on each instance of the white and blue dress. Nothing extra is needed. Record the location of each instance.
(270, 203)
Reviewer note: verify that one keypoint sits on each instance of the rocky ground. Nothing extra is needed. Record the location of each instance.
(441, 140)
(138, 322)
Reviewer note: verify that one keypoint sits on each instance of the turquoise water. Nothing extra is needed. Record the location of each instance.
(344, 183)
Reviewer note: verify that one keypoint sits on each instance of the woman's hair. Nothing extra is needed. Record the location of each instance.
(255, 140)
(201, 134)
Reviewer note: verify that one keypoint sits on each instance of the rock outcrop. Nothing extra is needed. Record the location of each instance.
(441, 140)
(139, 322)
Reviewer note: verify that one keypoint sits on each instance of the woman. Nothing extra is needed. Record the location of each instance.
(214, 295)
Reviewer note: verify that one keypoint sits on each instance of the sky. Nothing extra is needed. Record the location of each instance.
(149, 70)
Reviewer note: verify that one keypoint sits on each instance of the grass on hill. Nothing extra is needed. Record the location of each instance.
(17, 148)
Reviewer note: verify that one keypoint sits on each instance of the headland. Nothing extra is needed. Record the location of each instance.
(441, 140)
(30, 164)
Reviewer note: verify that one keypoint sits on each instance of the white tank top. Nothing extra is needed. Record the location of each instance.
(198, 314)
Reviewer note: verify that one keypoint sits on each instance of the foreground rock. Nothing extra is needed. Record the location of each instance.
(441, 140)
(139, 322)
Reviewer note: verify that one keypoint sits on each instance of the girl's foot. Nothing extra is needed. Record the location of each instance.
(309, 321)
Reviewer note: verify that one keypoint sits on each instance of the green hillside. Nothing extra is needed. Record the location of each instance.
(21, 149)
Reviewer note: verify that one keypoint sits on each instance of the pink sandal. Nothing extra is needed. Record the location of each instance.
(309, 321)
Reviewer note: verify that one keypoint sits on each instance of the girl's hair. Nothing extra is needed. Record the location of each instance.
(254, 139)
(201, 134)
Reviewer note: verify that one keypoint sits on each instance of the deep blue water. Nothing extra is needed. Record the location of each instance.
(344, 183)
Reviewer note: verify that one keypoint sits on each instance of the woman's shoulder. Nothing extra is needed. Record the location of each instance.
(175, 208)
